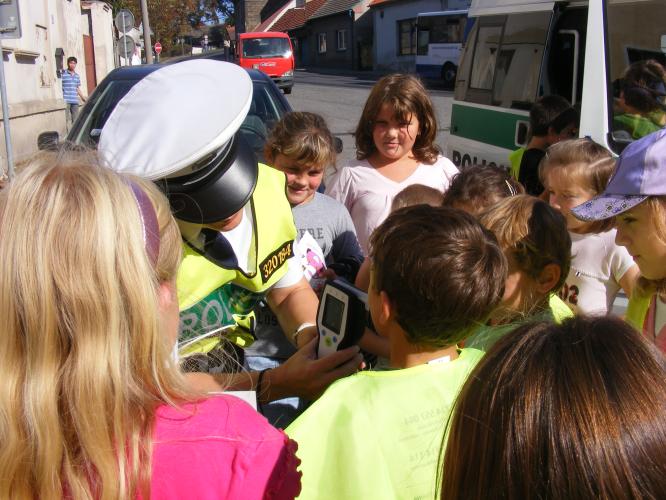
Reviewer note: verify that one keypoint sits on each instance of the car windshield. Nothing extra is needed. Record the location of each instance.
(636, 69)
(97, 110)
(254, 48)
(265, 111)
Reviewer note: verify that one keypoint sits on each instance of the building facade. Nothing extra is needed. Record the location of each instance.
(52, 31)
(394, 43)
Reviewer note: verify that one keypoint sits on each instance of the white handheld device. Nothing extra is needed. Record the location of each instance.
(341, 317)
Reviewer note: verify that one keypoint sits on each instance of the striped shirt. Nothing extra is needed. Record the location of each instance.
(70, 82)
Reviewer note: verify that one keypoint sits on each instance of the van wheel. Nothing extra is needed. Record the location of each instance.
(287, 90)
(449, 71)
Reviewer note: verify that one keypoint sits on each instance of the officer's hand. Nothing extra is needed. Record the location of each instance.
(306, 376)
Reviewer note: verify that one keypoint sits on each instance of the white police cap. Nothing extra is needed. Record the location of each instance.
(174, 117)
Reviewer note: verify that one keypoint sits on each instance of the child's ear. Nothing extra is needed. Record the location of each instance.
(166, 295)
(549, 277)
(386, 307)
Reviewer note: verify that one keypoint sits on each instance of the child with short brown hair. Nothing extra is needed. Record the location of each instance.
(437, 274)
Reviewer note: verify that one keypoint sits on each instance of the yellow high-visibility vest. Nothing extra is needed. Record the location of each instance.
(379, 434)
(211, 296)
(515, 158)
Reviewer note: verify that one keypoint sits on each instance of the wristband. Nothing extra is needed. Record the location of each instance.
(300, 329)
(257, 389)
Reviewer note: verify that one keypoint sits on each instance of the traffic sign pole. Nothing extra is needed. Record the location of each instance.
(158, 50)
(124, 44)
(5, 118)
(146, 32)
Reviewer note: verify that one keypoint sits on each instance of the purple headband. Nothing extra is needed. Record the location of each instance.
(149, 225)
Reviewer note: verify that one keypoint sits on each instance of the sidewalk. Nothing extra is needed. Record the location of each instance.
(360, 74)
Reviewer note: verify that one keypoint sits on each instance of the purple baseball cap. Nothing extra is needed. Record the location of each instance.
(640, 172)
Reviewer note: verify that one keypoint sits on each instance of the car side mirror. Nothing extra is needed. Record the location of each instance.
(48, 140)
(337, 144)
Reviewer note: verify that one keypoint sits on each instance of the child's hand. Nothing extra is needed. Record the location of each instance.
(328, 274)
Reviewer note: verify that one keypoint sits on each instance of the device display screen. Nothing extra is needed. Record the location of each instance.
(333, 310)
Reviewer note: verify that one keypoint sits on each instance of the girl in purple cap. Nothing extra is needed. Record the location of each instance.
(636, 197)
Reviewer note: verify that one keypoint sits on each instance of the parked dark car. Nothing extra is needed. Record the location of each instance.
(267, 107)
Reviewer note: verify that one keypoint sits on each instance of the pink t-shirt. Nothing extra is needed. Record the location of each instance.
(221, 448)
(368, 195)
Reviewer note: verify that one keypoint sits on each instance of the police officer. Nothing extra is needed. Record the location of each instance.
(179, 126)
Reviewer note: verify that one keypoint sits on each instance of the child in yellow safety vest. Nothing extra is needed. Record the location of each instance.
(436, 275)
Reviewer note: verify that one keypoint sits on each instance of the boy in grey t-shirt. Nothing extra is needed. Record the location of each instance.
(301, 146)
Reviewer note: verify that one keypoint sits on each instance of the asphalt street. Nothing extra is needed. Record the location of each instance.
(339, 98)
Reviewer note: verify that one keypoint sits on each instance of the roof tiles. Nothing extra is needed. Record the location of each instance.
(297, 17)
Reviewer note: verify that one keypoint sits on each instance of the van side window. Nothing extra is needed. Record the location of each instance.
(485, 56)
(506, 55)
(519, 60)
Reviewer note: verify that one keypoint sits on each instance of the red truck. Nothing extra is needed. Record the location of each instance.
(270, 52)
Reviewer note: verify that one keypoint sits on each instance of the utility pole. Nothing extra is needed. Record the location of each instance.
(148, 45)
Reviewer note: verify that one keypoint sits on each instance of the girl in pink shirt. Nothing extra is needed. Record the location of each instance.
(92, 403)
(394, 148)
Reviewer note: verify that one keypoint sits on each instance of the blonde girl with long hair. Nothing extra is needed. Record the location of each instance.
(92, 405)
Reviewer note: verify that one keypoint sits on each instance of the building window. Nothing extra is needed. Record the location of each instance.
(407, 37)
(322, 43)
(342, 39)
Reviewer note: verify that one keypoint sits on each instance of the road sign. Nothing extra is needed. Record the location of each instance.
(126, 46)
(158, 48)
(124, 21)
(10, 21)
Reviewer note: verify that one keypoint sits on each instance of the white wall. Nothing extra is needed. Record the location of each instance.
(33, 89)
(386, 17)
(102, 32)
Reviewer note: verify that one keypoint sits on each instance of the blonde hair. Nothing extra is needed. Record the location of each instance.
(657, 205)
(584, 163)
(535, 235)
(84, 358)
(302, 137)
(417, 194)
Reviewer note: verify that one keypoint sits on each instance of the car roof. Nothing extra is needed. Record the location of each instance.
(264, 34)
(139, 72)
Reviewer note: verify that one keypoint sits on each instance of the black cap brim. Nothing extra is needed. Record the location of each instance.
(218, 191)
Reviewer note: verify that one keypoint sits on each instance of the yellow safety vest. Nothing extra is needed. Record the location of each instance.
(515, 158)
(486, 336)
(379, 434)
(211, 296)
(637, 309)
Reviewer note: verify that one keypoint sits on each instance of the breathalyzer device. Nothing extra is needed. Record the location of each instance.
(341, 317)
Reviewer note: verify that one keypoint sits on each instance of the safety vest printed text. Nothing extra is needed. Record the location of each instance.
(222, 307)
(276, 260)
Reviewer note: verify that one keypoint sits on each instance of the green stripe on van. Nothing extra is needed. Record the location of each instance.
(486, 126)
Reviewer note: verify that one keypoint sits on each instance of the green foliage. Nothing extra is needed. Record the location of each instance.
(171, 18)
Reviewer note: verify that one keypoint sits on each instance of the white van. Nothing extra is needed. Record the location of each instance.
(520, 50)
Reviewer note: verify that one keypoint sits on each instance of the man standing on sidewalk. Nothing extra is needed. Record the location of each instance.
(71, 90)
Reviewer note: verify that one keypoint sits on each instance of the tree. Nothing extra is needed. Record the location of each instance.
(168, 17)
